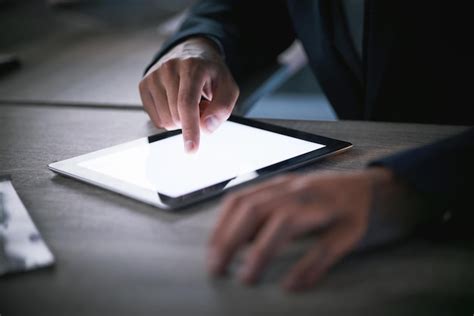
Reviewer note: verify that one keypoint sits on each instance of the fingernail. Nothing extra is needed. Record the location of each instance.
(211, 123)
(189, 146)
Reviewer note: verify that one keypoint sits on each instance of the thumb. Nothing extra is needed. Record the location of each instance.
(217, 111)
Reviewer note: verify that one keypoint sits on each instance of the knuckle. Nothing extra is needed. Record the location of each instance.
(249, 208)
(189, 63)
(192, 61)
(254, 209)
(227, 107)
(142, 85)
(190, 125)
(154, 80)
(234, 87)
(168, 67)
(170, 63)
(185, 102)
(236, 94)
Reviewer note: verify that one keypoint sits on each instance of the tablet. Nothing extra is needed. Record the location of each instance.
(156, 169)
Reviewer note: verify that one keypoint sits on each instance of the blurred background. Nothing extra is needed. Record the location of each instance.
(93, 53)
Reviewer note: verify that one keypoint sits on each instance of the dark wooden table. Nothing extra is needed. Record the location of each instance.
(116, 256)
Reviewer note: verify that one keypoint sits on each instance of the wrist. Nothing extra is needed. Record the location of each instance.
(205, 43)
(193, 47)
(394, 210)
(381, 178)
(197, 46)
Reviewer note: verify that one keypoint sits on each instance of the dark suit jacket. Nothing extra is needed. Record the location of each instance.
(414, 68)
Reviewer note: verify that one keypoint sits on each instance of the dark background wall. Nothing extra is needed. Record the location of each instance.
(93, 52)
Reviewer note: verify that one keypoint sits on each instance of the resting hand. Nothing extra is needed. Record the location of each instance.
(172, 90)
(269, 215)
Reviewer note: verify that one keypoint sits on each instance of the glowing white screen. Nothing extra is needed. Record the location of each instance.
(231, 151)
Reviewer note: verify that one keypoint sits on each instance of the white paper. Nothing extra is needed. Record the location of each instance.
(21, 245)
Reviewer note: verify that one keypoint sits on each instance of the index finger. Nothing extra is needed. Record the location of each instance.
(189, 96)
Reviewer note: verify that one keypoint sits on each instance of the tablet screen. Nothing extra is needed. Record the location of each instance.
(234, 150)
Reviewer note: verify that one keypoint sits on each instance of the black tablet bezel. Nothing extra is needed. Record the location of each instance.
(331, 146)
(73, 167)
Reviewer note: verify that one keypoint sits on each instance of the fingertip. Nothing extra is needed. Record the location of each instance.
(214, 263)
(190, 139)
(190, 146)
(297, 282)
(293, 286)
(288, 284)
(191, 136)
(294, 280)
(246, 275)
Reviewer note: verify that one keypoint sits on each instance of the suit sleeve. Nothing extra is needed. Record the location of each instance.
(250, 33)
(443, 173)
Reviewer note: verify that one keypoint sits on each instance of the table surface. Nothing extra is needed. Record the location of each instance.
(90, 53)
(118, 256)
